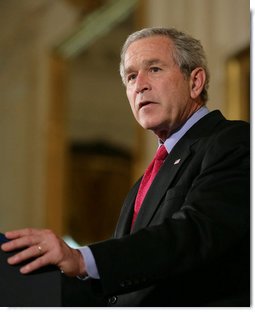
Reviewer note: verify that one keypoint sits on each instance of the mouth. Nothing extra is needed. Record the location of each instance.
(145, 103)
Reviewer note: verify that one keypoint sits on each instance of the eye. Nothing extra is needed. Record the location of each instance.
(155, 69)
(131, 77)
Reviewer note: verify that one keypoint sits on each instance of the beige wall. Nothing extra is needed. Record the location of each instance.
(98, 108)
(29, 30)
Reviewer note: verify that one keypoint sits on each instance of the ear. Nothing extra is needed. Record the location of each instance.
(197, 82)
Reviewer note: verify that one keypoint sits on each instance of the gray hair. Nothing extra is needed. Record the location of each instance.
(188, 52)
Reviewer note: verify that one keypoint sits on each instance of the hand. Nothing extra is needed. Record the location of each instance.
(43, 247)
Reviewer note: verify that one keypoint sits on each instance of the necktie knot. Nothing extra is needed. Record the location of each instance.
(161, 153)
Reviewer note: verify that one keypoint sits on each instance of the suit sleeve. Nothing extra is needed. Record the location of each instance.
(211, 221)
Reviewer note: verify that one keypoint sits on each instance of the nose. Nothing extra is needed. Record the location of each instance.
(142, 83)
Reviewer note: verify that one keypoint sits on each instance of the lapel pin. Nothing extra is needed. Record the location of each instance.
(177, 161)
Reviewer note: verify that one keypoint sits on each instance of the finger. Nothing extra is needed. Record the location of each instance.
(35, 265)
(31, 252)
(20, 243)
(19, 233)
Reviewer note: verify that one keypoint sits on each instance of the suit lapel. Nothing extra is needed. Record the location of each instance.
(165, 177)
(173, 163)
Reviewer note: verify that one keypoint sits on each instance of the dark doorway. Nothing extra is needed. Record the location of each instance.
(100, 176)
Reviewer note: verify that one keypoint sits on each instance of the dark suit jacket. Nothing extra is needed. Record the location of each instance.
(190, 243)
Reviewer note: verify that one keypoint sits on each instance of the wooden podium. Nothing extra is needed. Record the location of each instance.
(39, 289)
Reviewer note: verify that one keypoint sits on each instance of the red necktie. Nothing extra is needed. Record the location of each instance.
(148, 177)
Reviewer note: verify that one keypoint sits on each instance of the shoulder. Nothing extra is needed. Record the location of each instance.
(219, 139)
(232, 131)
(215, 126)
(229, 143)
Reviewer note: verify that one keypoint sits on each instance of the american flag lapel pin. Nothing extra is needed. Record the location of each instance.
(177, 161)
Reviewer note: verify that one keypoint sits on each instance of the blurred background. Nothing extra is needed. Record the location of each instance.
(70, 148)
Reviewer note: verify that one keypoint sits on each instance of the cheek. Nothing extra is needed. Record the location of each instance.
(131, 100)
(176, 95)
(128, 94)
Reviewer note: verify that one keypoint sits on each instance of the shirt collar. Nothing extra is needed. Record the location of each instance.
(176, 136)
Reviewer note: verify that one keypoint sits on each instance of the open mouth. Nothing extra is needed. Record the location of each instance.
(145, 103)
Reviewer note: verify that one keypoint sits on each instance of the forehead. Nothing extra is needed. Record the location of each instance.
(147, 49)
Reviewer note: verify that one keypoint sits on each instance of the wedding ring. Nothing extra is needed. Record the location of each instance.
(40, 249)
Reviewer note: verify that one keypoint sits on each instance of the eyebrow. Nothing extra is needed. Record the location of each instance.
(152, 62)
(145, 63)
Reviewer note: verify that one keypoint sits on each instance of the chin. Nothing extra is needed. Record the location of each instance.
(161, 131)
(149, 125)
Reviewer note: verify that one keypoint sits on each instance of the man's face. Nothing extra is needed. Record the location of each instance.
(158, 92)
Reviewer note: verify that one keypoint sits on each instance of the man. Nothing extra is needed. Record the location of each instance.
(185, 242)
